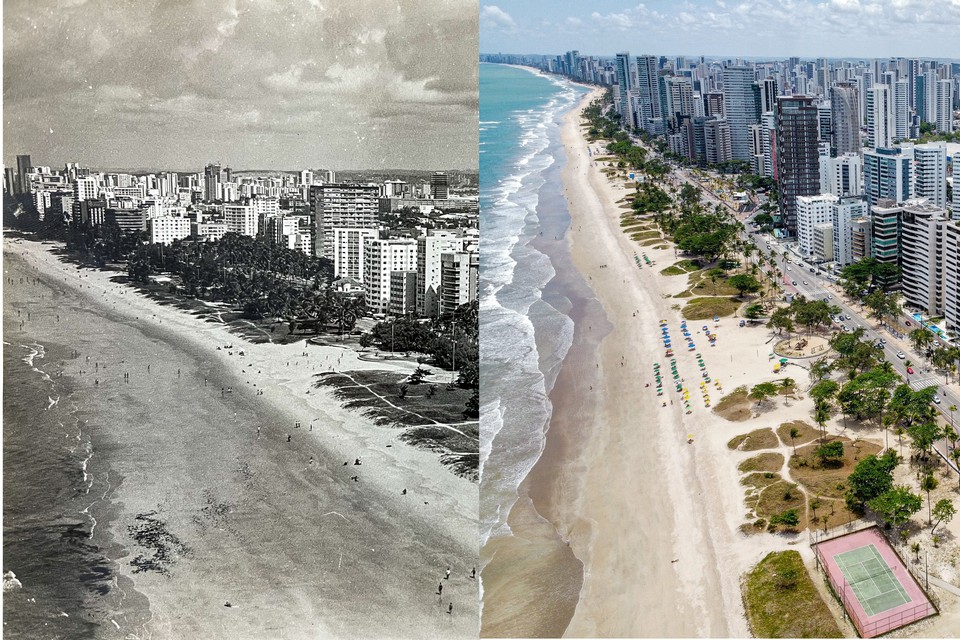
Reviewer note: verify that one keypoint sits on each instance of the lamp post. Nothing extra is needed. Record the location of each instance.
(454, 372)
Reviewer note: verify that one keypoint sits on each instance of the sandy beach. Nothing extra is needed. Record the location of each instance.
(654, 520)
(266, 515)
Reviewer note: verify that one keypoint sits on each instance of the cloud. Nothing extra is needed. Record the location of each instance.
(219, 77)
(493, 16)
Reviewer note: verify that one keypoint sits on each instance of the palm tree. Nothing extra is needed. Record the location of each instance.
(952, 408)
(928, 484)
(955, 454)
(794, 434)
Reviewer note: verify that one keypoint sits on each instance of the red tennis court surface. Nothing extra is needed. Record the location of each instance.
(876, 589)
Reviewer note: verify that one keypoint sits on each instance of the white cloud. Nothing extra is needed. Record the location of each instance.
(493, 16)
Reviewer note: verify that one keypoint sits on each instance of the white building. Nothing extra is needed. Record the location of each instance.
(844, 213)
(429, 249)
(842, 176)
(381, 257)
(348, 251)
(812, 211)
(945, 106)
(901, 110)
(209, 231)
(880, 131)
(166, 229)
(459, 270)
(242, 219)
(823, 242)
(85, 189)
(930, 172)
(921, 231)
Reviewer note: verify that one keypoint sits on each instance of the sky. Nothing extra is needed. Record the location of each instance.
(725, 28)
(265, 84)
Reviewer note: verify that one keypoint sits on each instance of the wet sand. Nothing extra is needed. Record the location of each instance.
(278, 529)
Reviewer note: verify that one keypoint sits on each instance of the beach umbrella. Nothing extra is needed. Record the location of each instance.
(784, 360)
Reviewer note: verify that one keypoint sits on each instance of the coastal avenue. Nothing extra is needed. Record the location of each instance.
(818, 286)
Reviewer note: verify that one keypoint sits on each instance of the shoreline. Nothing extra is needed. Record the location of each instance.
(276, 508)
(593, 480)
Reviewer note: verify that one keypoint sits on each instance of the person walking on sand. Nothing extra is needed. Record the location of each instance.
(473, 574)
(450, 609)
(447, 577)
(440, 590)
(258, 433)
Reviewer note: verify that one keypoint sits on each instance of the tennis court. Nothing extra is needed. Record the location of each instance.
(871, 579)
(877, 590)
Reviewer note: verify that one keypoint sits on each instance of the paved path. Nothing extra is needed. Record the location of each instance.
(946, 586)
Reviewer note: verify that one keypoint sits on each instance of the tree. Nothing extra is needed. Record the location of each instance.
(820, 369)
(896, 505)
(794, 434)
(924, 435)
(928, 484)
(763, 391)
(744, 283)
(830, 453)
(788, 518)
(821, 413)
(753, 311)
(871, 477)
(921, 339)
(781, 319)
(944, 512)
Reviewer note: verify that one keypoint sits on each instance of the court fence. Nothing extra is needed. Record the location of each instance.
(843, 591)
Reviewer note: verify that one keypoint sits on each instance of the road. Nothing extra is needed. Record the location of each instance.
(798, 278)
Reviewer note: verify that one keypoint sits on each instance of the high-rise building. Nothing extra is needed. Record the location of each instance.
(926, 96)
(812, 211)
(768, 94)
(901, 110)
(844, 213)
(930, 172)
(921, 270)
(845, 135)
(798, 155)
(438, 186)
(622, 66)
(647, 91)
(348, 251)
(842, 176)
(241, 219)
(333, 205)
(739, 108)
(880, 131)
(945, 106)
(885, 231)
(458, 279)
(429, 249)
(713, 104)
(888, 174)
(23, 167)
(211, 182)
(717, 141)
(382, 257)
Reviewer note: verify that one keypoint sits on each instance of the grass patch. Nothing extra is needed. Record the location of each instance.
(734, 406)
(759, 480)
(645, 235)
(829, 481)
(807, 433)
(680, 268)
(705, 308)
(755, 440)
(770, 461)
(779, 497)
(782, 601)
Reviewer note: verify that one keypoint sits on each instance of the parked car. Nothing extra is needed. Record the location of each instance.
(794, 282)
(901, 355)
(805, 282)
(910, 370)
(936, 399)
(812, 270)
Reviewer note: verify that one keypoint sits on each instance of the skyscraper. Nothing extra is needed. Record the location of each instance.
(901, 110)
(879, 116)
(930, 172)
(341, 205)
(647, 91)
(888, 174)
(211, 182)
(23, 166)
(845, 136)
(945, 106)
(438, 186)
(798, 156)
(739, 108)
(622, 66)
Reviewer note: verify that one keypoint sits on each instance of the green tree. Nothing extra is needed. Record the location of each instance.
(871, 477)
(788, 518)
(744, 283)
(794, 434)
(896, 505)
(943, 511)
(830, 453)
(762, 391)
(928, 483)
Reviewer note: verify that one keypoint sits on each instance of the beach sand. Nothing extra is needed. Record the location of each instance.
(654, 520)
(278, 529)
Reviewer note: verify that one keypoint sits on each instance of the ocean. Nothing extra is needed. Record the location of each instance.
(524, 335)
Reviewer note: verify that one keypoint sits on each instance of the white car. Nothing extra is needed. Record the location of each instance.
(936, 399)
(901, 355)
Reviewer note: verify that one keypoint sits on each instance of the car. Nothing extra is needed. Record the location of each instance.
(794, 283)
(829, 297)
(901, 355)
(788, 267)
(878, 346)
(844, 327)
(936, 399)
(907, 323)
(937, 343)
(805, 282)
(812, 270)
(910, 370)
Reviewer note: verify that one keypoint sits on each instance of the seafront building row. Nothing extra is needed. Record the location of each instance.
(427, 265)
(847, 143)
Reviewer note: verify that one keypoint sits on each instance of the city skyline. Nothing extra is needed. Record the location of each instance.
(282, 85)
(720, 28)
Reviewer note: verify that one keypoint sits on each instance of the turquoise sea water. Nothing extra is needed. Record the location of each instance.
(523, 336)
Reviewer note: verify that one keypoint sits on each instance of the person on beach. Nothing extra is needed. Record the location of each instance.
(473, 574)
(447, 577)
(450, 608)
(440, 590)
(288, 437)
